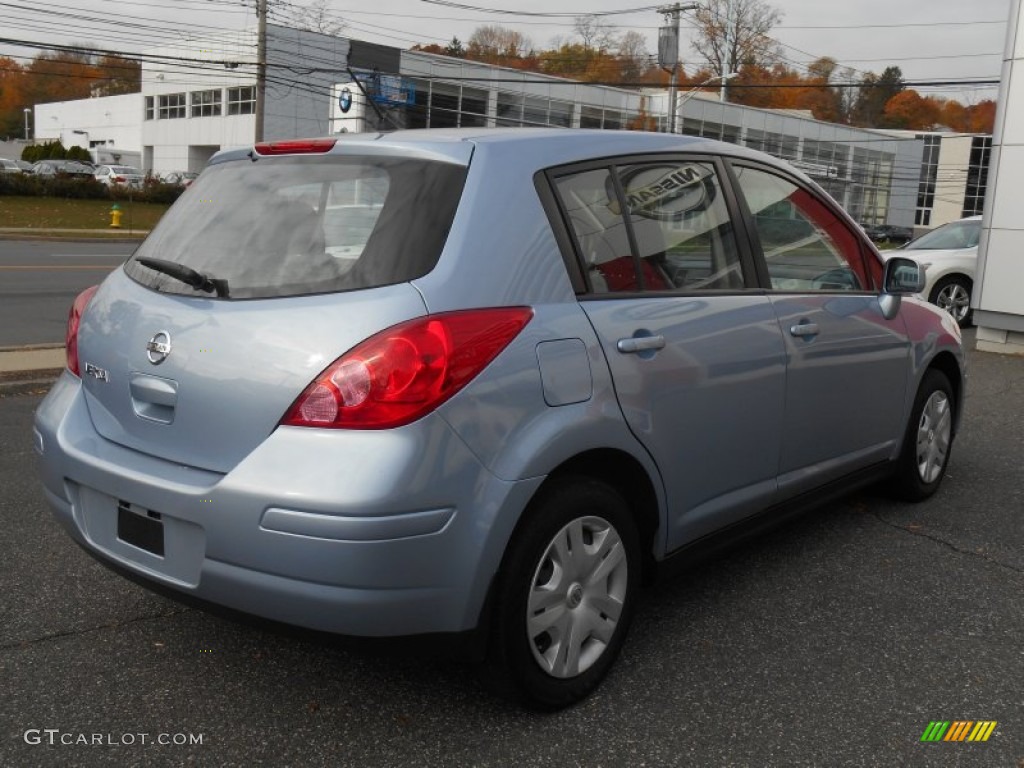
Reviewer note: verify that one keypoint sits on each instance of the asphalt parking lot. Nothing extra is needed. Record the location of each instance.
(833, 641)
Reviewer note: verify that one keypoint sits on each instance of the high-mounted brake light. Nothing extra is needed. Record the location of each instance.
(74, 320)
(403, 373)
(296, 147)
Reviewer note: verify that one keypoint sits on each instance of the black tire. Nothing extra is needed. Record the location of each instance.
(950, 293)
(928, 440)
(537, 670)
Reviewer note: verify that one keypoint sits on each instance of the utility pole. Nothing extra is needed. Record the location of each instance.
(668, 53)
(261, 66)
(725, 51)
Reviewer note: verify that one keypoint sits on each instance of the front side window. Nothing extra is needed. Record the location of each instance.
(806, 246)
(242, 101)
(171, 105)
(667, 230)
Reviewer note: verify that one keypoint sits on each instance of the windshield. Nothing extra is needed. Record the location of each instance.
(287, 226)
(956, 234)
(126, 169)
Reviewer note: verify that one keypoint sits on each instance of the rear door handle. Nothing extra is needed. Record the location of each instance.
(804, 329)
(640, 344)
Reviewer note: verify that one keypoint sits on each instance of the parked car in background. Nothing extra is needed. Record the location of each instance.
(119, 175)
(9, 166)
(181, 178)
(949, 255)
(485, 383)
(62, 168)
(24, 165)
(889, 233)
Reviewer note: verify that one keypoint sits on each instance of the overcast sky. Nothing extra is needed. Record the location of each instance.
(867, 35)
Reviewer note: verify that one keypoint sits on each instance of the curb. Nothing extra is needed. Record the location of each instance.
(31, 382)
(29, 369)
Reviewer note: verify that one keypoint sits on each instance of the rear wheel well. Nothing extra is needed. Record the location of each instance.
(626, 475)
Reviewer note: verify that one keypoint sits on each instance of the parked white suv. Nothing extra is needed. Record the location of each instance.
(949, 255)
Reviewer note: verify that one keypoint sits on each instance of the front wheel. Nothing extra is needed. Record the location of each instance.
(565, 594)
(928, 440)
(953, 294)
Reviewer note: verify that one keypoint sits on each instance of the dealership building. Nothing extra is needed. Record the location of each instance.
(200, 97)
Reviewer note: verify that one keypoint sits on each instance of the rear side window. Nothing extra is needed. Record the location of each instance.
(288, 226)
(652, 226)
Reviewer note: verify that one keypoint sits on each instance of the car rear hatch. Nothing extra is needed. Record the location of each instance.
(298, 258)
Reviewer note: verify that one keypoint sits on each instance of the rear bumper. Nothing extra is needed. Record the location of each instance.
(387, 533)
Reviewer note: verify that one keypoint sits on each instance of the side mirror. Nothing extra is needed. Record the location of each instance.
(902, 275)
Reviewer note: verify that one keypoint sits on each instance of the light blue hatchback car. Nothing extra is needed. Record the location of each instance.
(485, 383)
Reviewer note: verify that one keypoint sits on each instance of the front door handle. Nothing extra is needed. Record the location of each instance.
(640, 344)
(804, 330)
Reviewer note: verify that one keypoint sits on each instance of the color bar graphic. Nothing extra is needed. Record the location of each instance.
(959, 730)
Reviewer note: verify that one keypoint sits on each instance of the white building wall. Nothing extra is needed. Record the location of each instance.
(999, 300)
(215, 63)
(111, 120)
(951, 179)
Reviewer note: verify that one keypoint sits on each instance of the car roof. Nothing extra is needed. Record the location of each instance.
(537, 147)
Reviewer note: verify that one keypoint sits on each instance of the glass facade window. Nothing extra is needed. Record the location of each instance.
(977, 176)
(590, 117)
(731, 133)
(535, 111)
(711, 130)
(170, 106)
(474, 108)
(242, 101)
(510, 109)
(150, 112)
(691, 127)
(416, 113)
(929, 176)
(560, 114)
(444, 106)
(612, 120)
(206, 103)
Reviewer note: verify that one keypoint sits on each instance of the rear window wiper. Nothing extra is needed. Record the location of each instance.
(188, 276)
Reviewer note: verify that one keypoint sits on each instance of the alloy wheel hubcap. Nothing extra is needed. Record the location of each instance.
(576, 597)
(933, 436)
(955, 299)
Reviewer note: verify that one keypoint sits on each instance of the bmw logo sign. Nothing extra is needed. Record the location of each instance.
(345, 100)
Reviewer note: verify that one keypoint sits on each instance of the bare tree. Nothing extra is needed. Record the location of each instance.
(316, 17)
(730, 33)
(595, 34)
(492, 41)
(632, 52)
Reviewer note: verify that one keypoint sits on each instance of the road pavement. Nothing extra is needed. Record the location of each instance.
(40, 278)
(833, 641)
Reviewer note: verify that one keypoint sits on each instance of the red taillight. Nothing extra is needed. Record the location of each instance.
(403, 373)
(74, 319)
(119, 179)
(296, 147)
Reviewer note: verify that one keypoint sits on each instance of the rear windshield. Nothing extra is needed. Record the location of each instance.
(288, 226)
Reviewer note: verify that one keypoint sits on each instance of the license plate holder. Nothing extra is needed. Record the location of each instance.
(143, 528)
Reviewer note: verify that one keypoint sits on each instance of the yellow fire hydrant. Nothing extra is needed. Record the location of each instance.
(115, 216)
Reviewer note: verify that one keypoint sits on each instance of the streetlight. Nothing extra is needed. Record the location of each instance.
(27, 110)
(693, 91)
